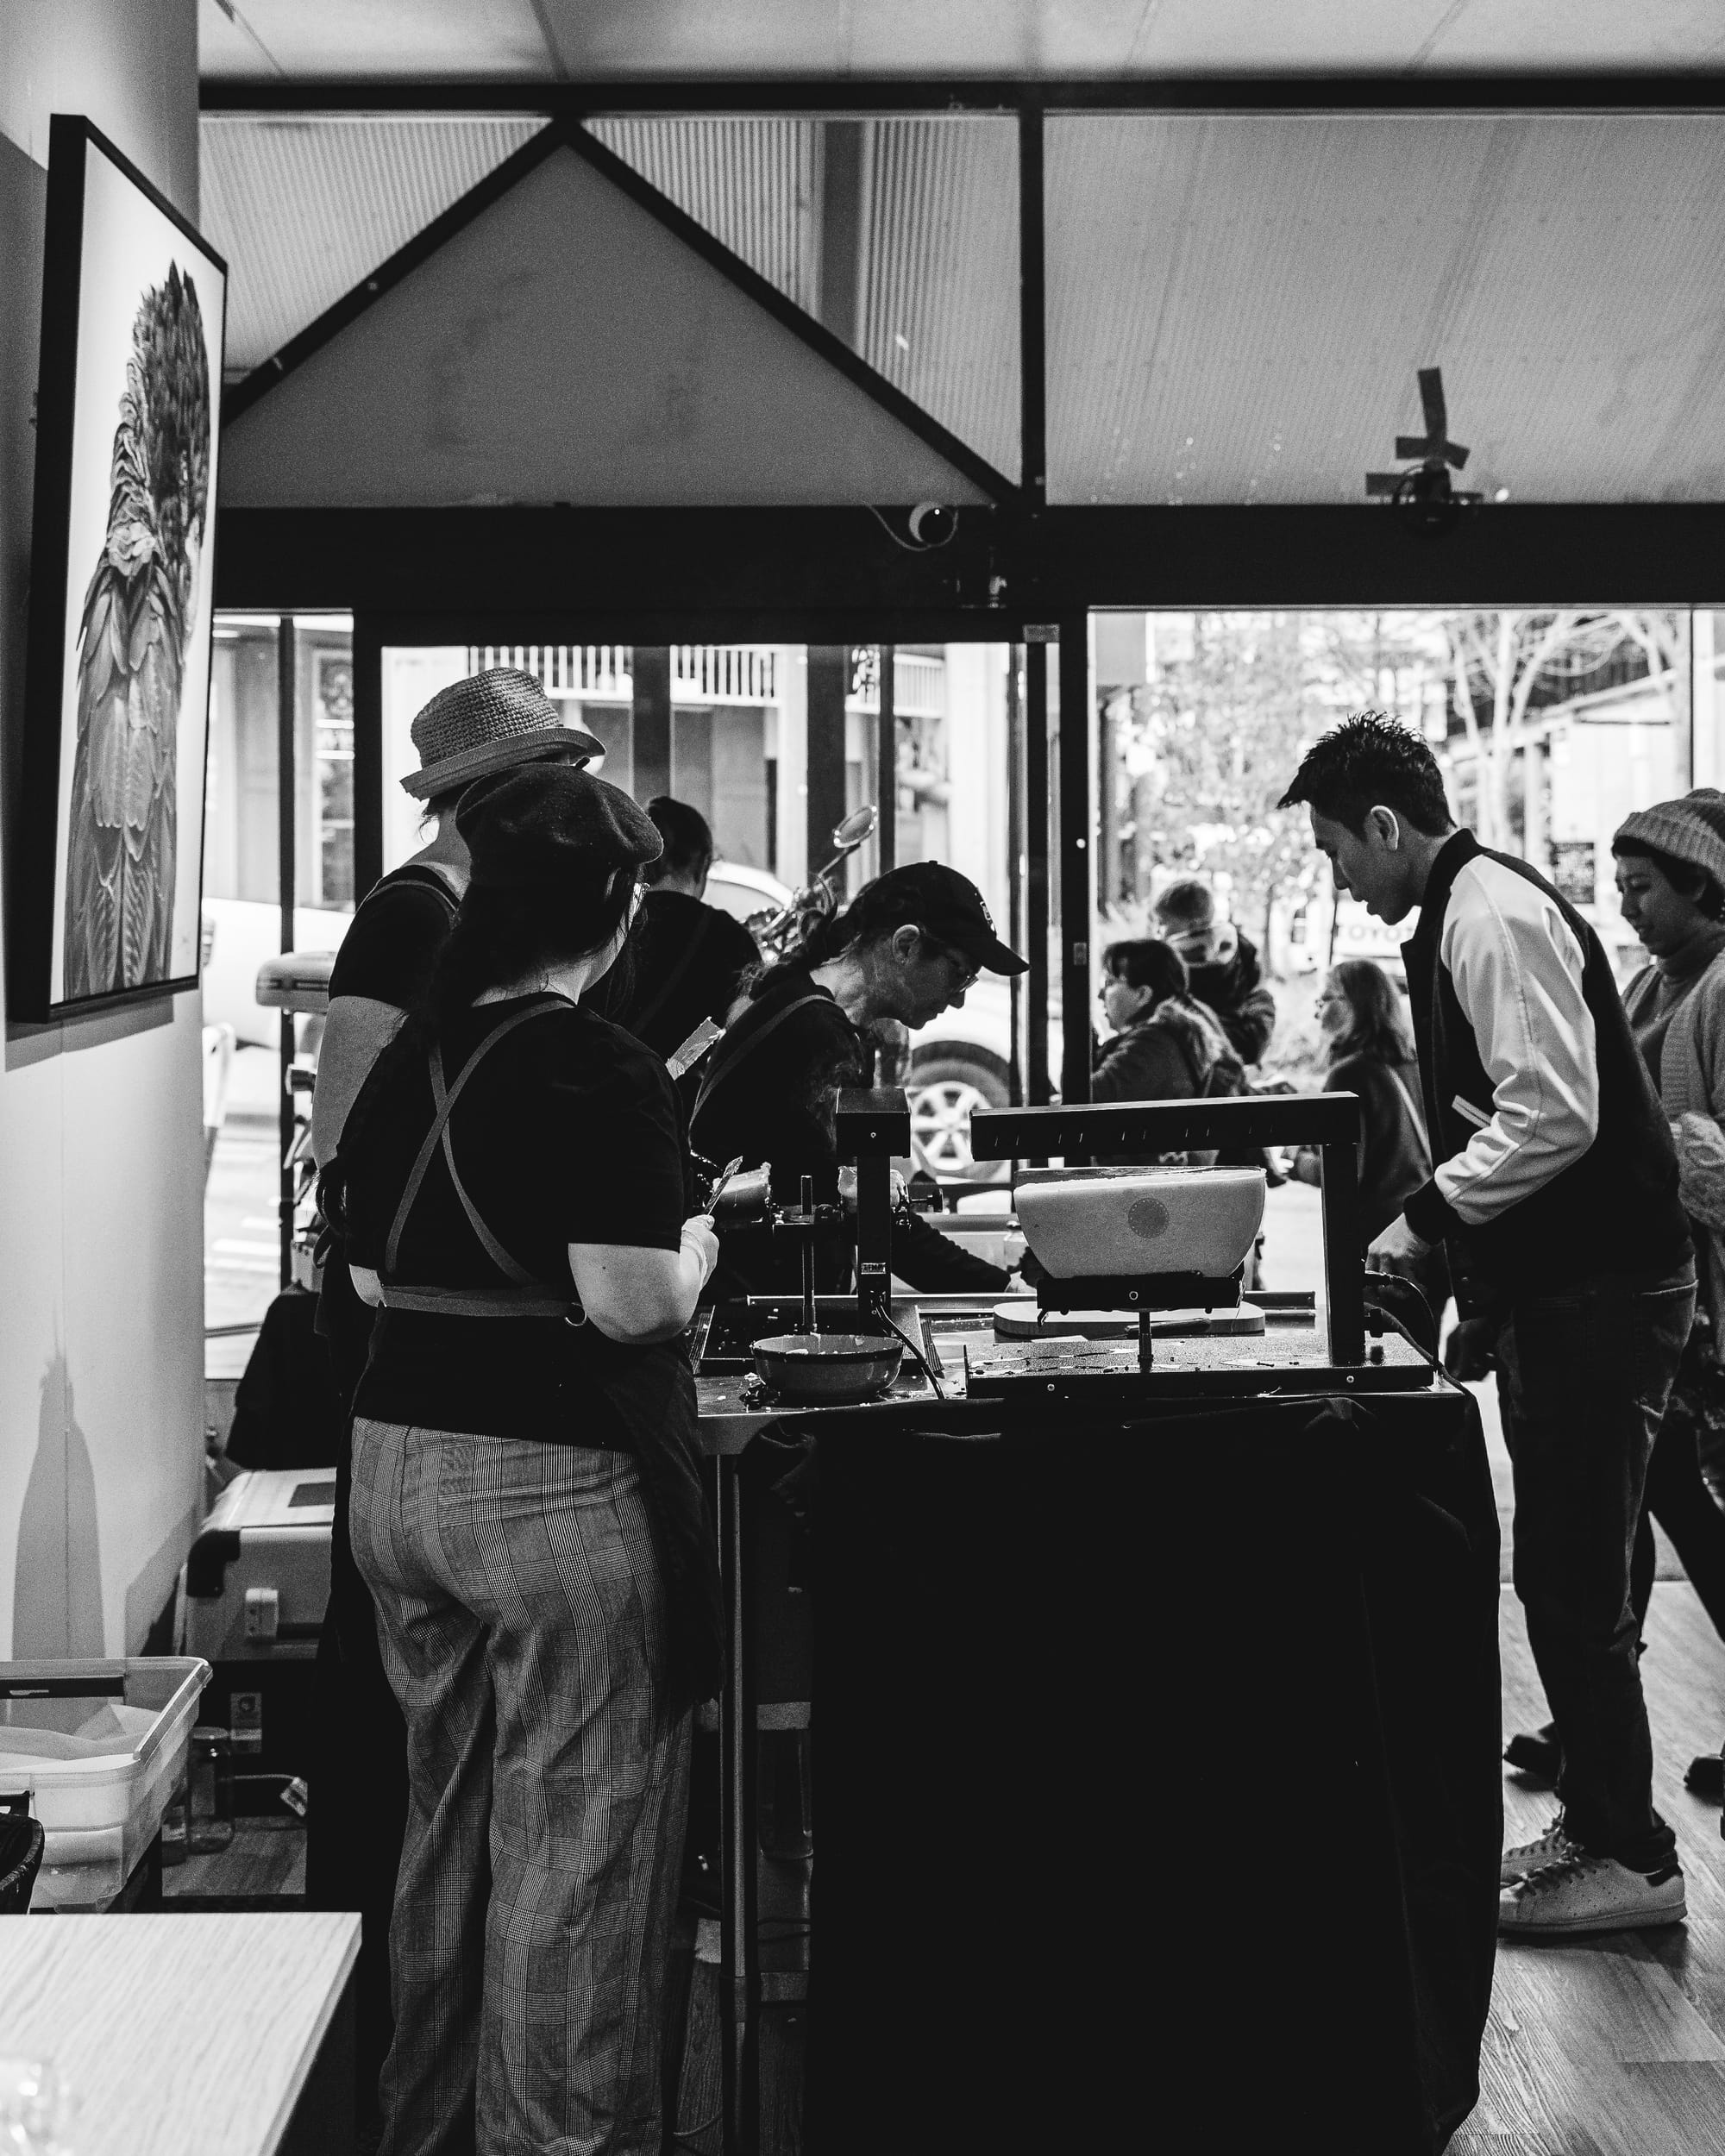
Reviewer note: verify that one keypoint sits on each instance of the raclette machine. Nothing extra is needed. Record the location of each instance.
(1328, 1121)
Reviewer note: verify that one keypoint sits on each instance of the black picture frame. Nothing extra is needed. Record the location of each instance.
(104, 913)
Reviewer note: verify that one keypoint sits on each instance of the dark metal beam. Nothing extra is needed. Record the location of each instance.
(887, 761)
(829, 681)
(1688, 92)
(650, 754)
(833, 576)
(368, 643)
(1037, 1086)
(288, 841)
(1077, 858)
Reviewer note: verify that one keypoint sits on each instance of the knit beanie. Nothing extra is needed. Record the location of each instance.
(1692, 829)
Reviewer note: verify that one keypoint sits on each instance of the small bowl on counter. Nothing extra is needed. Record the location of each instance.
(826, 1369)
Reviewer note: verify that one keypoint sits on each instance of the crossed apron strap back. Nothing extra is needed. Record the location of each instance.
(526, 1296)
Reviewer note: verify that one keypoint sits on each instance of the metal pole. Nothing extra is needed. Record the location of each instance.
(1344, 1274)
(367, 754)
(287, 762)
(1077, 865)
(1015, 831)
(739, 2090)
(887, 761)
(1036, 873)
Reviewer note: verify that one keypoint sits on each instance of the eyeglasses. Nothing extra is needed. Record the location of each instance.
(966, 967)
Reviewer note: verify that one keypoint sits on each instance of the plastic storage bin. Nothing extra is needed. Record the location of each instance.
(101, 1747)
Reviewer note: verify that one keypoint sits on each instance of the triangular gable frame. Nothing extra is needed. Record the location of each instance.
(570, 135)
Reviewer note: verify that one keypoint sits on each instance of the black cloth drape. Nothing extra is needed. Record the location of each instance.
(1156, 1776)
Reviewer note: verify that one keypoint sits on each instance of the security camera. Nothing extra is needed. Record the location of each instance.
(932, 524)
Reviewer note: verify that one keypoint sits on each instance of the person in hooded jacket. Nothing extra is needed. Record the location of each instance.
(1222, 969)
(1165, 1044)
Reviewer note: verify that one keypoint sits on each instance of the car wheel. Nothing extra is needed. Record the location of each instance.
(944, 1094)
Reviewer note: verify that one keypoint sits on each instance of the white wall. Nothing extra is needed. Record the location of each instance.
(100, 1151)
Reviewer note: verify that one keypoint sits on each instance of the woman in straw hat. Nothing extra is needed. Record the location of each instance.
(527, 1507)
(489, 722)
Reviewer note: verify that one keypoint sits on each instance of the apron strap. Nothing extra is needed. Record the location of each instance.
(723, 1064)
(505, 1264)
(445, 1103)
(476, 1302)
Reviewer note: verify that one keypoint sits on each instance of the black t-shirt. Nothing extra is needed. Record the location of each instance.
(393, 940)
(387, 954)
(780, 1104)
(686, 963)
(567, 1132)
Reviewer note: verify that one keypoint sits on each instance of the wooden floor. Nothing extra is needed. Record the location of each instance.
(1616, 2046)
(1609, 2046)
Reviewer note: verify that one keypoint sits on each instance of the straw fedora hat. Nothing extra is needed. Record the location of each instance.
(488, 722)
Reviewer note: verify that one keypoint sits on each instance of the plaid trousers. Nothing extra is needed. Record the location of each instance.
(522, 1621)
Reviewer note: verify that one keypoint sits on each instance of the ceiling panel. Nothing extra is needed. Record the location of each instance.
(937, 302)
(1237, 307)
(304, 210)
(564, 347)
(643, 39)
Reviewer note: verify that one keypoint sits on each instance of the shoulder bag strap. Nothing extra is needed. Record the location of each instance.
(673, 981)
(446, 1101)
(723, 1065)
(1395, 1077)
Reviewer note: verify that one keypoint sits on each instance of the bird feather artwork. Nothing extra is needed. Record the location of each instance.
(132, 640)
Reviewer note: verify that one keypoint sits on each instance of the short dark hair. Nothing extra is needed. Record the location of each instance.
(1189, 902)
(1369, 761)
(1145, 962)
(1686, 878)
(688, 836)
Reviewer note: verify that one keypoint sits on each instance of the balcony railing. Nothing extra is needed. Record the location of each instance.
(702, 674)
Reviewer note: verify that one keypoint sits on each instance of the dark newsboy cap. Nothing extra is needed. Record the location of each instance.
(538, 826)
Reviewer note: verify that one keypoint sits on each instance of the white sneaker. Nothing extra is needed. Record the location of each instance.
(1583, 1893)
(1550, 1847)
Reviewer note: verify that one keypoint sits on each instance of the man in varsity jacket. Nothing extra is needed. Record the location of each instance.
(1554, 1192)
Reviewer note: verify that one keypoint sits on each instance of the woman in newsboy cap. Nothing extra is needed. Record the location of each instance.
(527, 1506)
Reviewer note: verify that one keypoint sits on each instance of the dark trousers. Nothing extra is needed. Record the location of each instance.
(1677, 1496)
(359, 1803)
(1584, 1376)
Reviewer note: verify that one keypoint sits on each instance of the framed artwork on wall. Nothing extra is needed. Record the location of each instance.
(107, 859)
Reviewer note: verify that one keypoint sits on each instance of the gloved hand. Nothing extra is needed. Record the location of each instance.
(698, 1236)
(1472, 1352)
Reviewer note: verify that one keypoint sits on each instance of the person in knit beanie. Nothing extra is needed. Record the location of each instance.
(1671, 882)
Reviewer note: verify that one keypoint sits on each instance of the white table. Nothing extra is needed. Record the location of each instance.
(180, 2035)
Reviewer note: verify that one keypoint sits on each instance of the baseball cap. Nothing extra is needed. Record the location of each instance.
(946, 906)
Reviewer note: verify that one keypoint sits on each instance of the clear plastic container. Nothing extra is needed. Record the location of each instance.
(100, 1769)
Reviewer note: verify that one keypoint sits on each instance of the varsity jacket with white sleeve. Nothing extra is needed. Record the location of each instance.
(1554, 1160)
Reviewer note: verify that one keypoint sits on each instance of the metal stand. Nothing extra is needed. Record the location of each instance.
(1327, 1120)
(739, 1978)
(873, 1128)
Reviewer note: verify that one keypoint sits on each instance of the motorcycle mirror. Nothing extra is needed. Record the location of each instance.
(857, 829)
